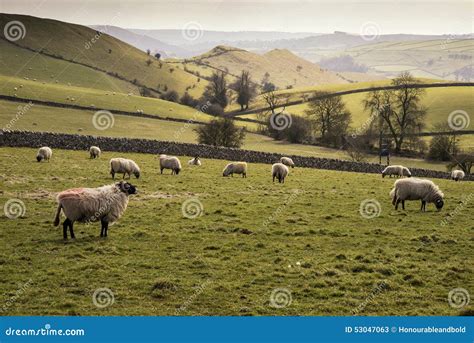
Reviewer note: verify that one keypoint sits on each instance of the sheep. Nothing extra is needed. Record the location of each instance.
(125, 166)
(280, 171)
(287, 162)
(170, 162)
(416, 189)
(396, 170)
(235, 168)
(44, 153)
(86, 205)
(457, 175)
(195, 161)
(94, 152)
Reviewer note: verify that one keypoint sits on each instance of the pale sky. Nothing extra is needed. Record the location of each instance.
(422, 17)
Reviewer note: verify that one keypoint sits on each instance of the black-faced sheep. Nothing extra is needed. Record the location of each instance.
(105, 204)
(287, 162)
(125, 166)
(457, 175)
(280, 171)
(170, 162)
(44, 154)
(94, 152)
(416, 189)
(235, 168)
(195, 161)
(396, 170)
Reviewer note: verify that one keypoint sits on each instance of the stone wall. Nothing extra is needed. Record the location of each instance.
(81, 142)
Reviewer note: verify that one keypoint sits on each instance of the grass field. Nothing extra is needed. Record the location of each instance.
(304, 239)
(51, 119)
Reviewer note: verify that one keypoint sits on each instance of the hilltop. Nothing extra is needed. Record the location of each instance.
(285, 69)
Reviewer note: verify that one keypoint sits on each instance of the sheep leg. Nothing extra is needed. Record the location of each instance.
(104, 228)
(71, 231)
(396, 204)
(273, 178)
(423, 206)
(161, 170)
(403, 205)
(65, 226)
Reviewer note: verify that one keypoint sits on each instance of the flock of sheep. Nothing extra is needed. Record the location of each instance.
(107, 203)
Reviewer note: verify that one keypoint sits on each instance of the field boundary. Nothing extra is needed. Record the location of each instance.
(120, 112)
(82, 142)
(351, 91)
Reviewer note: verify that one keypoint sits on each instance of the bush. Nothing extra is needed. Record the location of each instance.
(213, 109)
(171, 95)
(221, 132)
(188, 100)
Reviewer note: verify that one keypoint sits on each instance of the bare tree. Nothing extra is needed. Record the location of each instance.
(330, 117)
(273, 101)
(216, 90)
(245, 89)
(400, 109)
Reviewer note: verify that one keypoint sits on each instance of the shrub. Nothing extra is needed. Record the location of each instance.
(221, 132)
(171, 95)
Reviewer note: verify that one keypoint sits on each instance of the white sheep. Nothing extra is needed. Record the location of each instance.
(106, 203)
(125, 166)
(170, 162)
(194, 161)
(457, 175)
(396, 170)
(416, 189)
(287, 162)
(44, 153)
(280, 171)
(94, 151)
(235, 168)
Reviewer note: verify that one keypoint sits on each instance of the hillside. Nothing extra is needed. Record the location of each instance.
(83, 45)
(285, 68)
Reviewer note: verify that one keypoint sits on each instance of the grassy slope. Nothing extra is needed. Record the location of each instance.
(99, 98)
(154, 259)
(43, 118)
(70, 41)
(16, 62)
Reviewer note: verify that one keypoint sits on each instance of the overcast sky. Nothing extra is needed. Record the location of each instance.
(389, 16)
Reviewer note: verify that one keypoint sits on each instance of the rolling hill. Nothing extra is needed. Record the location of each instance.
(82, 45)
(284, 68)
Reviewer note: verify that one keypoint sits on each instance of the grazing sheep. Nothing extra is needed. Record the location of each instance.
(280, 171)
(287, 162)
(457, 175)
(125, 166)
(195, 161)
(170, 162)
(106, 203)
(416, 189)
(235, 168)
(94, 151)
(396, 170)
(44, 153)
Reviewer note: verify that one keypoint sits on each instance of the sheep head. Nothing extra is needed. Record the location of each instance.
(126, 187)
